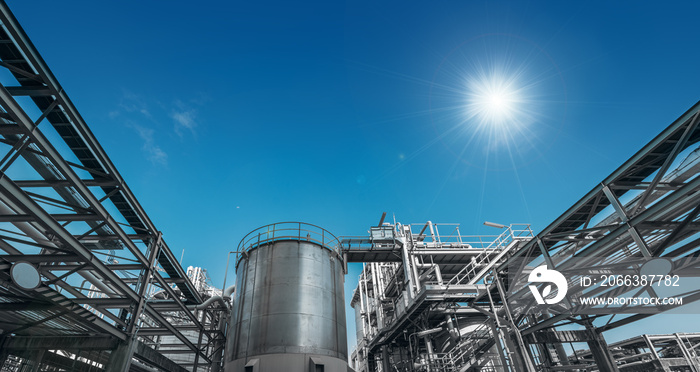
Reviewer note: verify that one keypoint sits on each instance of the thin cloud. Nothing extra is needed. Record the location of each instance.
(156, 155)
(133, 109)
(133, 103)
(185, 118)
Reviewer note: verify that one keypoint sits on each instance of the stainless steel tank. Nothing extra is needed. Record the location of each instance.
(289, 310)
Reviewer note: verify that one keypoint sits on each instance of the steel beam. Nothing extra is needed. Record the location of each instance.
(19, 198)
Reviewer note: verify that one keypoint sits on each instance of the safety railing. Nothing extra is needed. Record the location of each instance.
(280, 231)
(430, 236)
(442, 364)
(485, 258)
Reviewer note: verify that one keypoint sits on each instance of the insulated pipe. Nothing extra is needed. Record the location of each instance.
(454, 334)
(377, 295)
(430, 352)
(226, 295)
(409, 271)
(434, 266)
(208, 302)
(229, 291)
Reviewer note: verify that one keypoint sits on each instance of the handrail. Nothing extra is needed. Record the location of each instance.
(463, 352)
(501, 242)
(280, 231)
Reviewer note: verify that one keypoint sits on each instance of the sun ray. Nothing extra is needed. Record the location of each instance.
(505, 98)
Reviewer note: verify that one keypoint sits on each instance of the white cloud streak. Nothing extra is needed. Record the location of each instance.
(185, 119)
(156, 155)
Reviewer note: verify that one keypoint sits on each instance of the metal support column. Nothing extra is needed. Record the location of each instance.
(203, 318)
(219, 342)
(386, 365)
(4, 353)
(524, 360)
(36, 361)
(499, 345)
(599, 350)
(561, 354)
(145, 281)
(120, 359)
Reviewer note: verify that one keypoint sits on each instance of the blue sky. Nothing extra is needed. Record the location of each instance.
(225, 116)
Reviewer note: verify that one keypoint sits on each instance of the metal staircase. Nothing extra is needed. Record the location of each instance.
(474, 271)
(467, 352)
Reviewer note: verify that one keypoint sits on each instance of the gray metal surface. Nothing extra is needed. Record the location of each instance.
(289, 300)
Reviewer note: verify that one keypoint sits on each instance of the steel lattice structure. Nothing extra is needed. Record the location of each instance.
(429, 302)
(109, 287)
(66, 210)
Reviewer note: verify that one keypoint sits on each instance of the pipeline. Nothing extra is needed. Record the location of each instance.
(433, 266)
(223, 299)
(451, 329)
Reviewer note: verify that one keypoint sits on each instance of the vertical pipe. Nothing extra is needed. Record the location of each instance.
(429, 350)
(363, 310)
(377, 299)
(438, 273)
(408, 272)
(454, 335)
(561, 354)
(432, 231)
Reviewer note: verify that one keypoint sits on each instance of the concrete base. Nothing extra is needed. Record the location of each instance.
(288, 362)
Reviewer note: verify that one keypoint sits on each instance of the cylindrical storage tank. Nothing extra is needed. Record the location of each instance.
(289, 312)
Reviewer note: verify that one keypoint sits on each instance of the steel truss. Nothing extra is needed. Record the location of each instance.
(66, 210)
(672, 352)
(425, 303)
(648, 208)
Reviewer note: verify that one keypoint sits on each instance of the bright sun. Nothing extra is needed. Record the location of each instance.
(493, 100)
